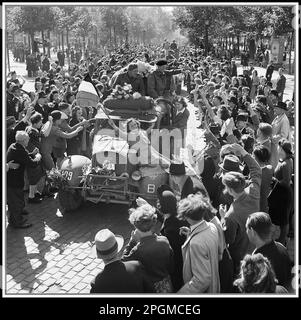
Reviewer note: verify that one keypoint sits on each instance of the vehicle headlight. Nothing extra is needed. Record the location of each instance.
(136, 175)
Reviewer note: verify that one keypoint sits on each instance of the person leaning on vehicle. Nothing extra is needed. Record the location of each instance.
(131, 76)
(49, 142)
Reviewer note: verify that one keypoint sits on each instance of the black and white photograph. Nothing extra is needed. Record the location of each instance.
(150, 150)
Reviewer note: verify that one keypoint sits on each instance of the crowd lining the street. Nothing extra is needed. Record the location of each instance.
(215, 239)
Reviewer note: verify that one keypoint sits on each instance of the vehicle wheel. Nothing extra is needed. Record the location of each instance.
(70, 199)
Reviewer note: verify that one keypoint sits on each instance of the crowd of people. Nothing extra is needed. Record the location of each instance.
(219, 238)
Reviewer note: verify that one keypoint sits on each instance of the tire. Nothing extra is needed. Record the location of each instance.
(70, 200)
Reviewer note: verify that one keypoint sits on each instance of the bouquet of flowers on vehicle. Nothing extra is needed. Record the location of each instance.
(122, 92)
(56, 178)
(106, 169)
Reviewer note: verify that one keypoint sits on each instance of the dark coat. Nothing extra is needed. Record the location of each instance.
(122, 277)
(12, 104)
(208, 176)
(280, 86)
(279, 200)
(233, 70)
(156, 255)
(16, 152)
(180, 120)
(158, 83)
(280, 261)
(187, 188)
(43, 110)
(171, 230)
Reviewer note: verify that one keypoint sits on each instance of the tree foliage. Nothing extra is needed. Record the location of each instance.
(263, 21)
(30, 19)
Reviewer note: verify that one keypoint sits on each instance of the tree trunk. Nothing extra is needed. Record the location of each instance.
(59, 39)
(68, 46)
(238, 45)
(226, 43)
(84, 46)
(49, 44)
(32, 41)
(63, 40)
(96, 44)
(29, 42)
(7, 52)
(115, 39)
(290, 54)
(44, 51)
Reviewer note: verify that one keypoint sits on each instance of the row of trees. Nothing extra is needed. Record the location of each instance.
(263, 21)
(106, 25)
(226, 24)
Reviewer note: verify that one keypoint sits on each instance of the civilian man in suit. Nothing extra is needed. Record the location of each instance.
(117, 276)
(246, 201)
(15, 178)
(200, 250)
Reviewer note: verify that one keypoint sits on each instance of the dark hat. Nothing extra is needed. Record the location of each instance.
(161, 63)
(274, 92)
(286, 146)
(42, 94)
(11, 120)
(231, 163)
(281, 105)
(232, 99)
(177, 169)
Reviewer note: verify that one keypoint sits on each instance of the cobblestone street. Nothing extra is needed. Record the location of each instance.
(55, 255)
